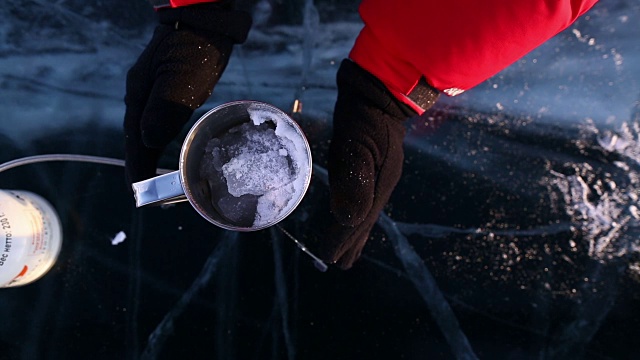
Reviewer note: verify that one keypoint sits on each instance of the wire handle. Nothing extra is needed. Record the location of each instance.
(66, 157)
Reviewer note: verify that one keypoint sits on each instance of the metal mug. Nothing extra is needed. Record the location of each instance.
(186, 183)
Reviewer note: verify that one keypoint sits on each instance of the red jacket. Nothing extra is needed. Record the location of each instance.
(454, 44)
(179, 3)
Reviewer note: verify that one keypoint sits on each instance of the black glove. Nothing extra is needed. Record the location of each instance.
(365, 160)
(175, 75)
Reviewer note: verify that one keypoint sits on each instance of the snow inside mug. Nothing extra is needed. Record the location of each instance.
(244, 166)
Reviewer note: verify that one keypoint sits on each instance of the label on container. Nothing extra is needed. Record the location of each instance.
(30, 237)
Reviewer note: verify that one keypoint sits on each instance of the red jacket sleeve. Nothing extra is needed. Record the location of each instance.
(454, 44)
(179, 3)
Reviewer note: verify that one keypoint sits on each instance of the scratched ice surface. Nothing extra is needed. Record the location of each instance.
(513, 234)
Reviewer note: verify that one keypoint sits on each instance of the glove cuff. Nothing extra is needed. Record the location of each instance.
(357, 81)
(219, 18)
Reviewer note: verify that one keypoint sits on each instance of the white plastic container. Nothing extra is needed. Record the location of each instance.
(30, 237)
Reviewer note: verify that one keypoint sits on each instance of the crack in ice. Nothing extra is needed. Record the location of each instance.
(165, 328)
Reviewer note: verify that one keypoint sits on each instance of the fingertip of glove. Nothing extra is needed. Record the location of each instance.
(344, 265)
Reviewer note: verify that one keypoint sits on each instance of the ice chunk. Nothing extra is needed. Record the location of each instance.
(253, 170)
(120, 237)
(256, 173)
(270, 205)
(290, 139)
(241, 210)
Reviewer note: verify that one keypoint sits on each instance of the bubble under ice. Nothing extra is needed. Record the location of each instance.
(251, 173)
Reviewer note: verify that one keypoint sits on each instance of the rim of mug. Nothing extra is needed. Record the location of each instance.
(184, 152)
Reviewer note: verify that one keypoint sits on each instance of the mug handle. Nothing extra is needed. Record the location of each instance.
(160, 190)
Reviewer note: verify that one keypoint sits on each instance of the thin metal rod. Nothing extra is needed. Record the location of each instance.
(317, 262)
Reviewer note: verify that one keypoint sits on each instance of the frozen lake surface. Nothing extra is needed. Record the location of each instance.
(514, 232)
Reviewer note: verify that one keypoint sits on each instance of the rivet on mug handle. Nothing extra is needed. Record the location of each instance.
(160, 190)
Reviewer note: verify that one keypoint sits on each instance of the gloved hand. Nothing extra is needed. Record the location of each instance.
(175, 75)
(365, 160)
